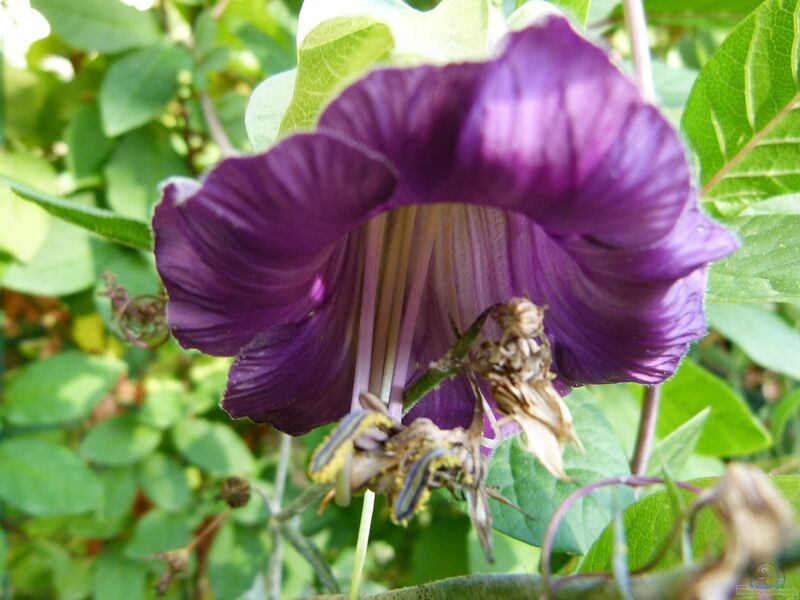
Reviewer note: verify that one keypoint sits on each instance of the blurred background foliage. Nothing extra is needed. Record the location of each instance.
(110, 452)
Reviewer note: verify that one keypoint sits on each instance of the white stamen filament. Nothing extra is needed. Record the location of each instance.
(369, 292)
(378, 335)
(419, 273)
(406, 231)
(386, 296)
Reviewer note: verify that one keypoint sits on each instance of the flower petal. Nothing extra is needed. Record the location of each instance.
(413, 117)
(560, 134)
(248, 247)
(610, 318)
(299, 375)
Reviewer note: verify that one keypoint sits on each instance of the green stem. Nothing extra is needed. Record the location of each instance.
(362, 543)
(446, 368)
(276, 553)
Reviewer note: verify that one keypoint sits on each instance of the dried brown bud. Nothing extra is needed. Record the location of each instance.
(235, 492)
(519, 317)
(177, 562)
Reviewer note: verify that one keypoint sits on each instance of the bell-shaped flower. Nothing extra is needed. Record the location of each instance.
(341, 261)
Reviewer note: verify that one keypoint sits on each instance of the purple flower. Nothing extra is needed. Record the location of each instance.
(333, 262)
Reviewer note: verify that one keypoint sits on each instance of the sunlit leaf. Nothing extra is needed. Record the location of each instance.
(455, 30)
(102, 25)
(118, 228)
(730, 430)
(63, 265)
(742, 116)
(64, 387)
(266, 108)
(139, 86)
(212, 446)
(332, 55)
(767, 266)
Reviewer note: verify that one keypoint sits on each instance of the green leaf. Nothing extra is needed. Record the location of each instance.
(88, 145)
(120, 440)
(579, 8)
(675, 449)
(521, 479)
(3, 552)
(63, 387)
(649, 521)
(266, 108)
(783, 411)
(767, 266)
(164, 481)
(102, 25)
(139, 86)
(766, 338)
(44, 478)
(63, 265)
(234, 560)
(23, 226)
(453, 31)
(213, 447)
(730, 430)
(163, 403)
(27, 95)
(332, 55)
(306, 548)
(742, 117)
(119, 492)
(700, 13)
(119, 578)
(672, 86)
(159, 531)
(143, 159)
(788, 204)
(275, 53)
(115, 227)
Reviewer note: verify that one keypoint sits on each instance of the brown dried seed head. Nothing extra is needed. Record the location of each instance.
(235, 492)
(758, 519)
(519, 317)
(758, 522)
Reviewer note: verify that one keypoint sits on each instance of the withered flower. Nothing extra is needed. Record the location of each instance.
(758, 521)
(517, 368)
